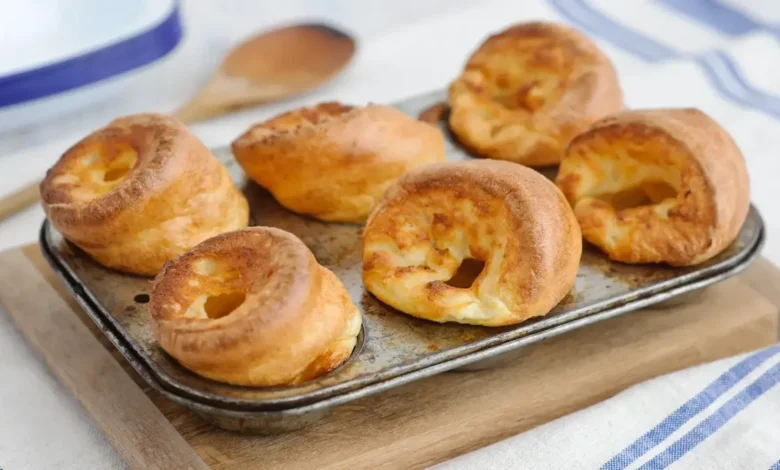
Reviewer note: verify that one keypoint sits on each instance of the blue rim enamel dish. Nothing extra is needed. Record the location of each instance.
(72, 49)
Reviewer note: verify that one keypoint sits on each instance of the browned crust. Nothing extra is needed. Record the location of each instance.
(290, 328)
(334, 161)
(493, 206)
(176, 195)
(710, 206)
(583, 88)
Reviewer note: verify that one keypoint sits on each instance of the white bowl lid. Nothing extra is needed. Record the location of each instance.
(67, 45)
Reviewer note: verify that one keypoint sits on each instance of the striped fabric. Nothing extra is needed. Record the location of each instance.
(722, 70)
(701, 404)
(724, 415)
(724, 57)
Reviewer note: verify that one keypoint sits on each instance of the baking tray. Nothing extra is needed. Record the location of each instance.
(393, 348)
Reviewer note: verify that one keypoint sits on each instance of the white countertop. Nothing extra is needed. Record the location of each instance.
(405, 47)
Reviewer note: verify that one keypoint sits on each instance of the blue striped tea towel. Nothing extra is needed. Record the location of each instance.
(722, 415)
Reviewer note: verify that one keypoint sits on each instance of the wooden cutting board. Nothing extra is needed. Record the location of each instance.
(408, 427)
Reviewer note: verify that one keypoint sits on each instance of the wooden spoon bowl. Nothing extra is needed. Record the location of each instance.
(275, 65)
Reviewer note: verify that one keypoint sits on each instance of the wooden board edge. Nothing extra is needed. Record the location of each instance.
(764, 277)
(131, 422)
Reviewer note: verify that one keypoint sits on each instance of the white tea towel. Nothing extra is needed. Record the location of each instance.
(723, 415)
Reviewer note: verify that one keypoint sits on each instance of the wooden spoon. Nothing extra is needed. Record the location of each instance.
(271, 66)
(275, 65)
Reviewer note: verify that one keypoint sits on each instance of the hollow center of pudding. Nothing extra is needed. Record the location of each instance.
(115, 174)
(108, 175)
(98, 170)
(466, 273)
(646, 193)
(447, 240)
(216, 288)
(642, 169)
(222, 305)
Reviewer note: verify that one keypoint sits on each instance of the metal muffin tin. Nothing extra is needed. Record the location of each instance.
(393, 348)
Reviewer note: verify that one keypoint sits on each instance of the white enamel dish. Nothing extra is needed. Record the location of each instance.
(57, 56)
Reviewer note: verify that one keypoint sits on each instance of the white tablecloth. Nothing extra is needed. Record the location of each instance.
(723, 57)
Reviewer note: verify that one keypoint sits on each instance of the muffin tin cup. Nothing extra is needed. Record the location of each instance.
(394, 348)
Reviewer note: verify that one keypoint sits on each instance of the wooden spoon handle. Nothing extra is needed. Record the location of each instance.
(19, 200)
(198, 111)
(224, 94)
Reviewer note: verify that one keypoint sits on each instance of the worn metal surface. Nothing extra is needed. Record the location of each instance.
(396, 348)
(279, 421)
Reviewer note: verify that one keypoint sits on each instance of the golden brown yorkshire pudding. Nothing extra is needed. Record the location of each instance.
(507, 216)
(333, 161)
(528, 90)
(253, 307)
(139, 192)
(660, 186)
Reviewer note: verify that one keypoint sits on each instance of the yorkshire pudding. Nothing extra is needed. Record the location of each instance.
(528, 90)
(139, 192)
(333, 161)
(657, 186)
(505, 215)
(254, 308)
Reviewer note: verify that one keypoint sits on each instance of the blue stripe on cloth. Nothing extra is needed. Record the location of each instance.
(689, 409)
(727, 81)
(715, 421)
(714, 14)
(776, 466)
(94, 66)
(721, 71)
(740, 77)
(711, 65)
(580, 13)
